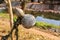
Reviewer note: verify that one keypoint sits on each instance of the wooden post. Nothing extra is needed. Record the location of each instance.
(10, 12)
(23, 4)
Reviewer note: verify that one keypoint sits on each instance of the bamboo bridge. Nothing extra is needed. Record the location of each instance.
(37, 7)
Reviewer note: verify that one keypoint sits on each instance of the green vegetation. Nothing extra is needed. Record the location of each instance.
(46, 25)
(6, 15)
(49, 15)
(15, 17)
(38, 24)
(25, 34)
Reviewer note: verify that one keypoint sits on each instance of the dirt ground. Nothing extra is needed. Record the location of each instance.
(25, 34)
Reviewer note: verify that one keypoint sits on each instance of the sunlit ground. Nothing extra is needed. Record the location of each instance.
(24, 34)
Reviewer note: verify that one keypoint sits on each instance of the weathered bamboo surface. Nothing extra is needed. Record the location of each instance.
(56, 12)
(42, 8)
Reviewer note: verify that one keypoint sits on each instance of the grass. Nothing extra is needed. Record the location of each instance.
(23, 33)
(6, 15)
(46, 25)
(26, 35)
(49, 15)
(38, 24)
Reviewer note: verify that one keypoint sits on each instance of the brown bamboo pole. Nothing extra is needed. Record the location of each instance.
(23, 4)
(10, 12)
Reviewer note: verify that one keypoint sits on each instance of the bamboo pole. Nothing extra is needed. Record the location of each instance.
(23, 4)
(10, 12)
